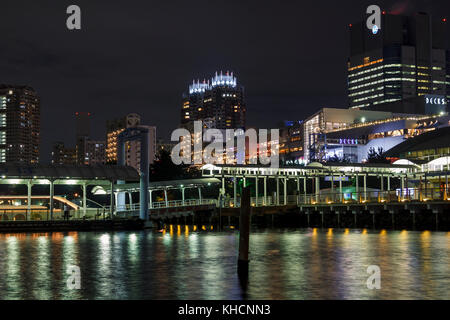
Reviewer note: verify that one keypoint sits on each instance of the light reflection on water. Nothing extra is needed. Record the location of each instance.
(182, 264)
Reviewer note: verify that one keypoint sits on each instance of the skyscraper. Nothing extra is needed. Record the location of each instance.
(219, 103)
(19, 124)
(406, 58)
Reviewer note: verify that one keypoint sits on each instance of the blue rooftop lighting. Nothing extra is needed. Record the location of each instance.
(375, 29)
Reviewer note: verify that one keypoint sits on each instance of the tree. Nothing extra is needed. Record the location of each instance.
(374, 156)
(336, 159)
(164, 169)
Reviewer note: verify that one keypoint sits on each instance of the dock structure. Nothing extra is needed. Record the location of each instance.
(320, 195)
(336, 191)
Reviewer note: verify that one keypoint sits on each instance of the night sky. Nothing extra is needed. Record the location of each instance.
(140, 56)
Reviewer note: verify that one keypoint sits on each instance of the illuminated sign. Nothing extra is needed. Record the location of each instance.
(439, 100)
(348, 141)
(336, 178)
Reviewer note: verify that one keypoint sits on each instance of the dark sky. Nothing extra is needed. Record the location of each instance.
(140, 56)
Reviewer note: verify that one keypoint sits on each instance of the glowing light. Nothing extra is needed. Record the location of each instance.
(104, 238)
(375, 29)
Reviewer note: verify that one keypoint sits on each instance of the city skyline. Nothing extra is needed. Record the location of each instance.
(287, 72)
(220, 151)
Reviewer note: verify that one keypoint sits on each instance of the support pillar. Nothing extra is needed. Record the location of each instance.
(130, 199)
(403, 188)
(150, 200)
(332, 188)
(278, 191)
(29, 186)
(116, 201)
(285, 191)
(200, 194)
(111, 201)
(365, 187)
(235, 192)
(357, 189)
(182, 196)
(265, 191)
(166, 199)
(52, 191)
(298, 191)
(341, 195)
(256, 191)
(304, 190)
(223, 185)
(84, 199)
(317, 189)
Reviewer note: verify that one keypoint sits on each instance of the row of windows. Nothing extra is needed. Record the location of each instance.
(364, 92)
(381, 67)
(381, 81)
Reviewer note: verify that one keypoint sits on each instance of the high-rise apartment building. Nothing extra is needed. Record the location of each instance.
(95, 152)
(219, 103)
(63, 155)
(406, 58)
(19, 124)
(133, 156)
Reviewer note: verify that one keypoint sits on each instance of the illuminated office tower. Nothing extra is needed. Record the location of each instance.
(19, 124)
(406, 58)
(218, 102)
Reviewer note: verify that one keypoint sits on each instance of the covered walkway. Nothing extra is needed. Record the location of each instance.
(315, 183)
(52, 175)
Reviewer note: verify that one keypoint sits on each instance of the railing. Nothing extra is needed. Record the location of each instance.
(164, 204)
(393, 196)
(11, 214)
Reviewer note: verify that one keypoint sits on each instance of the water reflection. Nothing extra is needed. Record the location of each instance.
(185, 264)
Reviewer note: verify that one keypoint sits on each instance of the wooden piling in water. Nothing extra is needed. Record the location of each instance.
(244, 233)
